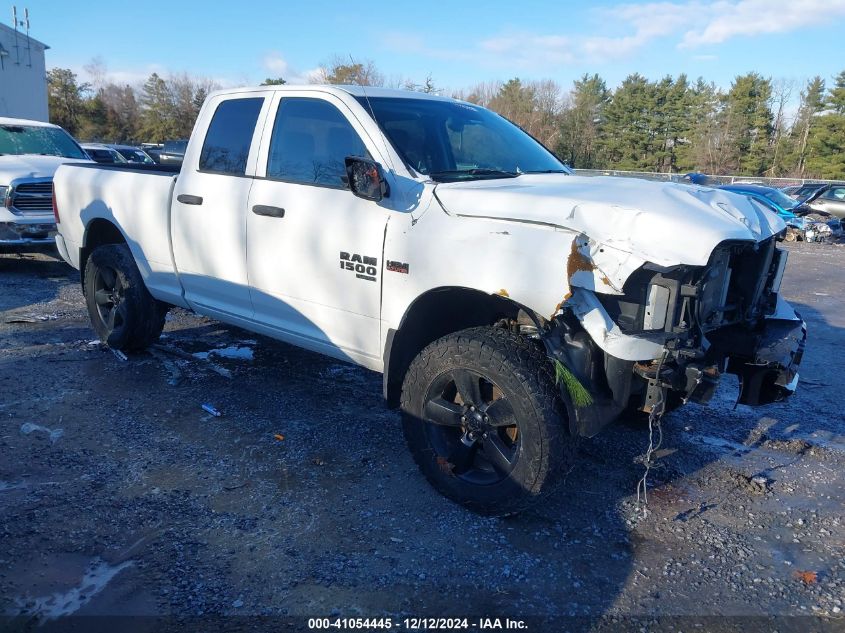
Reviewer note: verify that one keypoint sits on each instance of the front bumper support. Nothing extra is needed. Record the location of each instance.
(772, 374)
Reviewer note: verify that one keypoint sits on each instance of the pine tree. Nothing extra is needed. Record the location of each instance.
(157, 111)
(65, 98)
(811, 104)
(747, 124)
(826, 145)
(627, 135)
(580, 124)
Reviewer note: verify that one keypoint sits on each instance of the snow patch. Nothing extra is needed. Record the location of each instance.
(233, 351)
(97, 576)
(54, 434)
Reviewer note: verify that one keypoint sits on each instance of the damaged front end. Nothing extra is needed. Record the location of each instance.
(665, 336)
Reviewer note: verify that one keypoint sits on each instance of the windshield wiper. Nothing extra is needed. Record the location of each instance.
(546, 171)
(456, 174)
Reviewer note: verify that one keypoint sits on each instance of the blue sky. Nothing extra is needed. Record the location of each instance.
(458, 43)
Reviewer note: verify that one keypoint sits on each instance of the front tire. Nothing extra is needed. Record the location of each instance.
(485, 422)
(123, 313)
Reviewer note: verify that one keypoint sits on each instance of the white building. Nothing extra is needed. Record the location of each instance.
(23, 76)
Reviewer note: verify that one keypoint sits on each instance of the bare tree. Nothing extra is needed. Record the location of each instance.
(349, 72)
(782, 91)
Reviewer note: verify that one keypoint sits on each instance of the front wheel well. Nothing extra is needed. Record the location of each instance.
(431, 316)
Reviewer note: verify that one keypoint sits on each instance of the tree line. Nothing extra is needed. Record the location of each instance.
(673, 124)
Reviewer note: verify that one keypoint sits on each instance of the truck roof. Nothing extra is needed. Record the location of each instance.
(9, 121)
(355, 91)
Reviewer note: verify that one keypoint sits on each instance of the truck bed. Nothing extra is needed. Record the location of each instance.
(135, 198)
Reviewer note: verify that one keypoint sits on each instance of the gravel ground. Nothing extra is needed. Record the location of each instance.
(120, 495)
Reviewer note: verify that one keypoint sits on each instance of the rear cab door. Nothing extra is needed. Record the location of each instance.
(208, 216)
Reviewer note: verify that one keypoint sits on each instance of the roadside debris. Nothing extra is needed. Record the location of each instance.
(279, 437)
(807, 577)
(759, 484)
(33, 319)
(175, 351)
(53, 434)
(210, 409)
(120, 355)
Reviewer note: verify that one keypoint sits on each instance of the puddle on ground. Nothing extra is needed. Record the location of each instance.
(96, 577)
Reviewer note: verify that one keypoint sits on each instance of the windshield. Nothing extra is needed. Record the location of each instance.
(105, 155)
(781, 199)
(450, 140)
(135, 156)
(34, 139)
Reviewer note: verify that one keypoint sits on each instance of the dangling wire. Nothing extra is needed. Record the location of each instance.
(654, 423)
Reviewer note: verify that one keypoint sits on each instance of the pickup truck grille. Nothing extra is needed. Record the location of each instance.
(32, 197)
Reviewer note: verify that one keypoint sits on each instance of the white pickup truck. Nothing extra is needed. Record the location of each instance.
(511, 306)
(30, 152)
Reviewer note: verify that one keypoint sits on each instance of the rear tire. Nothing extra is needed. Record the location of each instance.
(485, 422)
(123, 313)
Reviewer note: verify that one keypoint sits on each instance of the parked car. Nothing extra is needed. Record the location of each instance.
(804, 224)
(103, 154)
(806, 190)
(790, 190)
(829, 198)
(173, 152)
(696, 178)
(30, 153)
(511, 306)
(153, 151)
(134, 155)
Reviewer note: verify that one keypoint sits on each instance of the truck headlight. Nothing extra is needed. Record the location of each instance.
(4, 191)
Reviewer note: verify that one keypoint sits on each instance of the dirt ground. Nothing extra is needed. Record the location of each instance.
(120, 495)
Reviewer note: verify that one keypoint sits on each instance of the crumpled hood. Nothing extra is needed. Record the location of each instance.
(15, 166)
(662, 222)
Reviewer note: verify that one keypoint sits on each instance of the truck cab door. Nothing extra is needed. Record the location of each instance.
(314, 249)
(208, 213)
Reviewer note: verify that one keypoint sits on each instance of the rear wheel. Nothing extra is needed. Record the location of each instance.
(484, 420)
(123, 312)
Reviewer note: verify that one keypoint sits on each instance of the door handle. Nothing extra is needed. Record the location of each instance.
(270, 212)
(186, 198)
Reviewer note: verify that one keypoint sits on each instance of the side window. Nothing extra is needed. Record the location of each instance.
(835, 193)
(310, 142)
(229, 136)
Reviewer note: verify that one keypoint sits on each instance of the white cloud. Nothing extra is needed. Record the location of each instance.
(274, 62)
(686, 24)
(528, 49)
(748, 18)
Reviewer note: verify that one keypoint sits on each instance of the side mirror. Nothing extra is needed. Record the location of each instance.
(366, 178)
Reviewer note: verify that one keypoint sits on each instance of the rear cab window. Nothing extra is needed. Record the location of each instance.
(229, 136)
